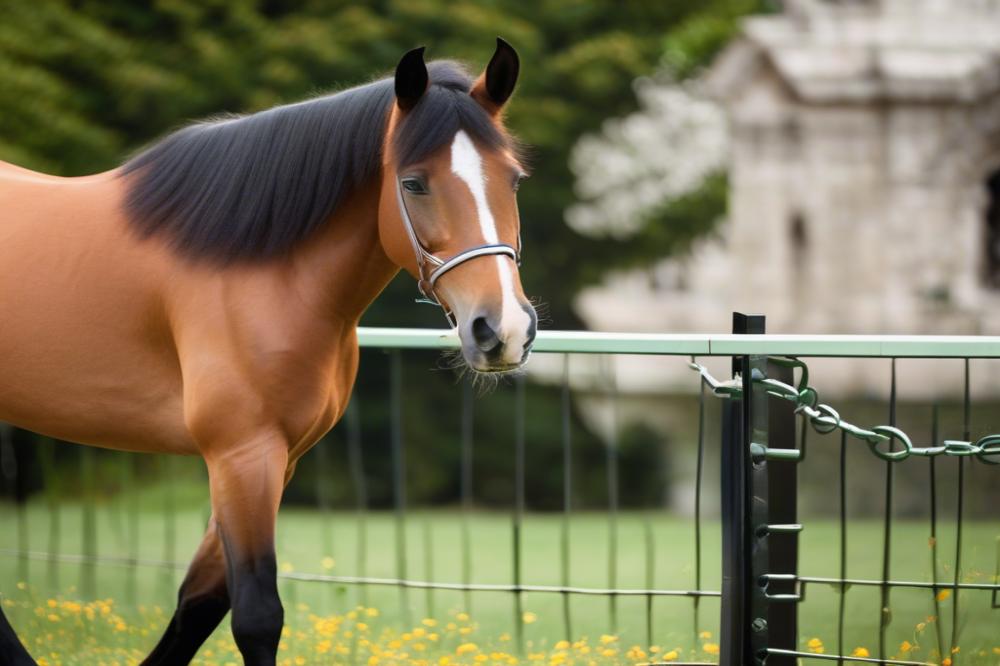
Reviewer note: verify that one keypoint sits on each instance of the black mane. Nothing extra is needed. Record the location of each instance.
(252, 187)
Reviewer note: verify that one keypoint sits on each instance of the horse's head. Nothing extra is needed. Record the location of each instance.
(448, 212)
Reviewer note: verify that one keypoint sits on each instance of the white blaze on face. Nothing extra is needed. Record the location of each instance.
(467, 164)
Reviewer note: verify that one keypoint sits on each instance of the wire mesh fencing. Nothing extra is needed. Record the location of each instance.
(584, 560)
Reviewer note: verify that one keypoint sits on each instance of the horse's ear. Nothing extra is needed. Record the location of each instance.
(494, 87)
(411, 78)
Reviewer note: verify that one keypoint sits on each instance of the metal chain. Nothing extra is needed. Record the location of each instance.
(825, 419)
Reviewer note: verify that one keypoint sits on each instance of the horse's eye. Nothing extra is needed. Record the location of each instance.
(518, 181)
(414, 186)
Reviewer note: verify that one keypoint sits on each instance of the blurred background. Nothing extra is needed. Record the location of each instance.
(833, 164)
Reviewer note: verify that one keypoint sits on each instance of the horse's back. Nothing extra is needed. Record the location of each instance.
(84, 346)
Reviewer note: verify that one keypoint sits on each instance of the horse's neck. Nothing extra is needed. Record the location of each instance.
(345, 265)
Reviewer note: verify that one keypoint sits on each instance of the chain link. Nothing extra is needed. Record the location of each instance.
(825, 419)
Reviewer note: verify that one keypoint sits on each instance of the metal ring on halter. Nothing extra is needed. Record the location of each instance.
(428, 280)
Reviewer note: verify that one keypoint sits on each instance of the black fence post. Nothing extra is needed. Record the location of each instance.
(759, 514)
(738, 586)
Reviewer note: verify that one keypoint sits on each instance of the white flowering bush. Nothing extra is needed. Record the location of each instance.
(640, 162)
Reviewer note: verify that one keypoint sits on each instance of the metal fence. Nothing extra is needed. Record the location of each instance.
(768, 403)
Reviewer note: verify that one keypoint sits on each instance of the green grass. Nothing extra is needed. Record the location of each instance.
(307, 537)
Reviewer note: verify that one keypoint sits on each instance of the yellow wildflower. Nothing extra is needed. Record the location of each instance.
(636, 653)
(710, 648)
(528, 617)
(860, 652)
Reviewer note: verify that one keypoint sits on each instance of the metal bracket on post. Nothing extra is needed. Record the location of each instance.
(783, 534)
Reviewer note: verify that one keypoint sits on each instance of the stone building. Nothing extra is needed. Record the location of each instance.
(864, 177)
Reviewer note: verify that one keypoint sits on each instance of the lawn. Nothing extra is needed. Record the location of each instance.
(330, 623)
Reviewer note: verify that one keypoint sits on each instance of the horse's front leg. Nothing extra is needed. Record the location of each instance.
(246, 481)
(202, 602)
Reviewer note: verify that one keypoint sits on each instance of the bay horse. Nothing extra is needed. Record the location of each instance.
(202, 299)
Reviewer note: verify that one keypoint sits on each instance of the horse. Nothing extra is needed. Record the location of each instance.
(203, 298)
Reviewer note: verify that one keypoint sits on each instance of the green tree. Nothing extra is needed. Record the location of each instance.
(85, 82)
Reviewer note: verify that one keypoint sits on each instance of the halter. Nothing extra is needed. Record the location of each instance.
(430, 268)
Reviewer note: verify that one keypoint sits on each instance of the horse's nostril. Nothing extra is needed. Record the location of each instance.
(532, 327)
(485, 337)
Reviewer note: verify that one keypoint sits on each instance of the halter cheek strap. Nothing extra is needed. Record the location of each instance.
(430, 268)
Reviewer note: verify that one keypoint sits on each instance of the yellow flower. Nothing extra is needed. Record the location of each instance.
(371, 612)
(462, 617)
(608, 638)
(860, 652)
(466, 647)
(670, 656)
(943, 594)
(429, 622)
(286, 567)
(328, 562)
(705, 634)
(528, 617)
(636, 653)
(816, 646)
(562, 645)
(905, 647)
(609, 652)
(710, 648)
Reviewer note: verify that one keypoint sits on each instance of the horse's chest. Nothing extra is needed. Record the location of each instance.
(316, 395)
